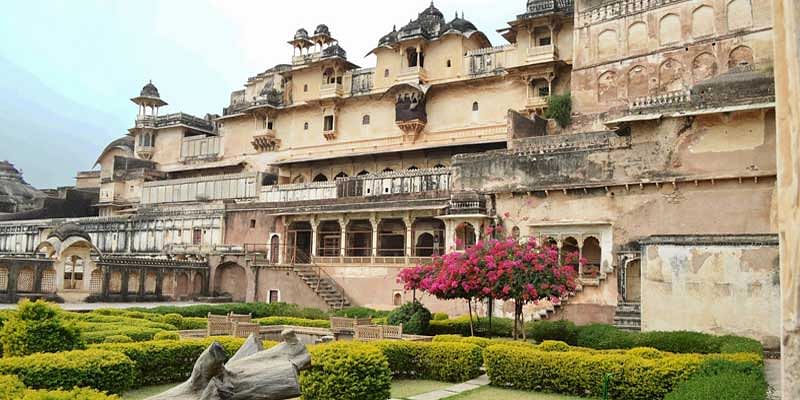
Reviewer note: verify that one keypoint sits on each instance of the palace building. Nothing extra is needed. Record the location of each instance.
(322, 179)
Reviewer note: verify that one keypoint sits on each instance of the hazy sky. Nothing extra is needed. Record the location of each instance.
(69, 68)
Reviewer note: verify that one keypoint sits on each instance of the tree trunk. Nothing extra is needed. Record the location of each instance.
(491, 311)
(471, 328)
(517, 315)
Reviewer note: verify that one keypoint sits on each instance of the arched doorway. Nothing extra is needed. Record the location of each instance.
(73, 273)
(465, 235)
(429, 237)
(231, 279)
(182, 289)
(197, 285)
(591, 252)
(133, 283)
(274, 249)
(329, 239)
(299, 242)
(633, 282)
(391, 238)
(96, 281)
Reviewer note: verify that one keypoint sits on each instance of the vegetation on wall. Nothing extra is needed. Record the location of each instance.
(559, 108)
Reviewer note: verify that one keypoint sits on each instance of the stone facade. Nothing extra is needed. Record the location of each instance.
(321, 180)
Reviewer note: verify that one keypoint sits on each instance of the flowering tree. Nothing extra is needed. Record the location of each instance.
(502, 269)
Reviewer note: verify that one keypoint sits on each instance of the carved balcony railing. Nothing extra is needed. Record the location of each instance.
(488, 60)
(621, 8)
(541, 54)
(363, 81)
(665, 100)
(242, 186)
(544, 7)
(200, 147)
(467, 207)
(431, 181)
(331, 91)
(534, 102)
(412, 75)
(162, 121)
(266, 140)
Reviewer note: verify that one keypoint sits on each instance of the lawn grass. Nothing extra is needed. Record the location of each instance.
(147, 391)
(402, 388)
(488, 392)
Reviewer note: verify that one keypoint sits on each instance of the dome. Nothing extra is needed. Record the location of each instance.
(149, 90)
(301, 34)
(388, 38)
(124, 143)
(322, 29)
(461, 25)
(432, 11)
(67, 230)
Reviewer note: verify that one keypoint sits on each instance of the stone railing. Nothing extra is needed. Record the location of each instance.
(667, 99)
(218, 187)
(489, 59)
(467, 207)
(539, 54)
(621, 8)
(382, 184)
(543, 7)
(174, 119)
(331, 90)
(200, 147)
(362, 80)
(412, 75)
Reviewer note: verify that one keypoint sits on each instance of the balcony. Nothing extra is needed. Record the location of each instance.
(242, 186)
(265, 140)
(200, 148)
(362, 81)
(145, 152)
(331, 91)
(541, 54)
(434, 181)
(536, 102)
(488, 60)
(412, 75)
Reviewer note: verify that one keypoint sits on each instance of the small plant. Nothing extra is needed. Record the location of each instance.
(559, 108)
(414, 317)
(38, 327)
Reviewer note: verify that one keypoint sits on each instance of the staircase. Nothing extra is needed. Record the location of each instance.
(628, 317)
(548, 310)
(323, 285)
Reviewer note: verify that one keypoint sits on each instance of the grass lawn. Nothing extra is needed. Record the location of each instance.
(488, 392)
(402, 388)
(145, 392)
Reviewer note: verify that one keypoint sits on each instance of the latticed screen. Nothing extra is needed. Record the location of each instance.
(25, 280)
(49, 281)
(3, 279)
(96, 281)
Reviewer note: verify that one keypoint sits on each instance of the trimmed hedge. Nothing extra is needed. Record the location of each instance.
(601, 336)
(258, 310)
(414, 317)
(168, 361)
(360, 312)
(12, 388)
(38, 327)
(346, 371)
(441, 361)
(99, 369)
(501, 327)
(479, 341)
(118, 339)
(440, 316)
(728, 385)
(561, 330)
(167, 335)
(636, 375)
(294, 321)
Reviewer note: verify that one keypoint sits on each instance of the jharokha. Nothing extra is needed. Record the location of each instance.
(639, 134)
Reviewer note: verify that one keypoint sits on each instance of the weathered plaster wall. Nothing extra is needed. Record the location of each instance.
(715, 289)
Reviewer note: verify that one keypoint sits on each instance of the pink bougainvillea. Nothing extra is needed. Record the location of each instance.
(502, 269)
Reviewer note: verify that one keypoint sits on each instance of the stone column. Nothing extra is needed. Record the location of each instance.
(375, 223)
(343, 240)
(142, 276)
(409, 221)
(159, 283)
(786, 22)
(314, 225)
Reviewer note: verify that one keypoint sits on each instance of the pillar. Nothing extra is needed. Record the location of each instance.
(106, 281)
(159, 283)
(314, 225)
(374, 222)
(124, 284)
(786, 20)
(343, 241)
(142, 275)
(409, 221)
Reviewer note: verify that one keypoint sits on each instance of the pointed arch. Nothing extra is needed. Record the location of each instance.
(671, 76)
(607, 86)
(638, 84)
(704, 66)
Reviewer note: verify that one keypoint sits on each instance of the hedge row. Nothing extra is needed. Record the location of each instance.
(12, 388)
(99, 369)
(258, 310)
(294, 321)
(501, 327)
(479, 341)
(168, 361)
(601, 336)
(346, 371)
(634, 374)
(441, 361)
(723, 379)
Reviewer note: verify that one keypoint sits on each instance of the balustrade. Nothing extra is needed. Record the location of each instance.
(195, 147)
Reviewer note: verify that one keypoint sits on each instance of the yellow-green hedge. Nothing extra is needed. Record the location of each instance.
(639, 374)
(480, 341)
(12, 388)
(294, 321)
(168, 361)
(441, 361)
(346, 371)
(99, 369)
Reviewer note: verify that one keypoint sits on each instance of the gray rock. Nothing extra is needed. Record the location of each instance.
(252, 373)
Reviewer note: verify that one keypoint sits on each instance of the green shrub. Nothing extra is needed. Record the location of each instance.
(645, 352)
(553, 345)
(168, 361)
(99, 369)
(118, 339)
(379, 321)
(137, 334)
(440, 316)
(728, 385)
(738, 344)
(561, 330)
(501, 327)
(89, 320)
(346, 371)
(258, 310)
(581, 372)
(167, 335)
(38, 327)
(11, 387)
(360, 312)
(414, 317)
(173, 319)
(294, 321)
(559, 107)
(678, 341)
(602, 336)
(193, 323)
(441, 361)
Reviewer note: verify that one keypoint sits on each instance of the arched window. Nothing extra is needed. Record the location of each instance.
(305, 87)
(299, 179)
(363, 172)
(305, 126)
(591, 252)
(386, 73)
(365, 120)
(439, 166)
(449, 64)
(320, 178)
(475, 106)
(413, 168)
(387, 169)
(341, 174)
(397, 300)
(465, 235)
